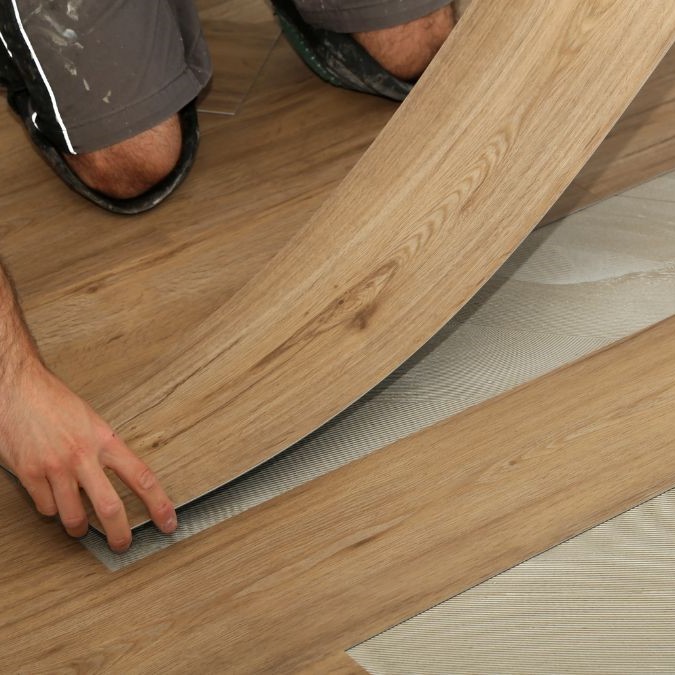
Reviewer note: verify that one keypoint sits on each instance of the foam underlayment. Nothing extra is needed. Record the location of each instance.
(571, 288)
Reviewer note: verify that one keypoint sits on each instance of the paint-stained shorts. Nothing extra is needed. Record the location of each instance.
(99, 72)
(353, 16)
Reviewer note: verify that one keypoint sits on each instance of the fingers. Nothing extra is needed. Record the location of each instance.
(107, 504)
(69, 503)
(138, 476)
(59, 493)
(59, 445)
(40, 490)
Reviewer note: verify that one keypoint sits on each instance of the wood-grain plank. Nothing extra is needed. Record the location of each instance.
(308, 575)
(313, 331)
(639, 147)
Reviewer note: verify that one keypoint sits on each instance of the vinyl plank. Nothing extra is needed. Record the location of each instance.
(571, 288)
(312, 331)
(312, 573)
(640, 146)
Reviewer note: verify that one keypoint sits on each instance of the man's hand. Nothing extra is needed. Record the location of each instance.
(56, 444)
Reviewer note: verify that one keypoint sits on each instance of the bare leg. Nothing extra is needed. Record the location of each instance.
(406, 50)
(132, 167)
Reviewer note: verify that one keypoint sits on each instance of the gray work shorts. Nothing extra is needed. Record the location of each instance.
(99, 72)
(354, 16)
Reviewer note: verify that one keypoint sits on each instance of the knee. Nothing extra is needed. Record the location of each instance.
(130, 168)
(406, 50)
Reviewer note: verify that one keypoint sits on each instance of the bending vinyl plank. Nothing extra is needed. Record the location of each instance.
(569, 289)
(639, 147)
(512, 107)
(142, 282)
(322, 568)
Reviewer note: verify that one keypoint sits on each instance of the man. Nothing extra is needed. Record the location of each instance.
(106, 92)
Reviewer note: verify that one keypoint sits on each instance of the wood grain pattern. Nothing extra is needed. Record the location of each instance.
(305, 576)
(313, 331)
(639, 147)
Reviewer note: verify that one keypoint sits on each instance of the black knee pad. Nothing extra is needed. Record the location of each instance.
(336, 57)
(20, 102)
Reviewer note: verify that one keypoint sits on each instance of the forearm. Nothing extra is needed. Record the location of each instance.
(18, 351)
(19, 361)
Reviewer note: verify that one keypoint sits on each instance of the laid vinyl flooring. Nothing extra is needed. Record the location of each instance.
(295, 582)
(303, 577)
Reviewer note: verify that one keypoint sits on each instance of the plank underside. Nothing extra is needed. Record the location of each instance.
(312, 332)
(307, 575)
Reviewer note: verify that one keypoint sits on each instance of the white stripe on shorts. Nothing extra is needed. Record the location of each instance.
(44, 79)
(4, 42)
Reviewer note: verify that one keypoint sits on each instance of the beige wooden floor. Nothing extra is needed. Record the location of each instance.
(123, 296)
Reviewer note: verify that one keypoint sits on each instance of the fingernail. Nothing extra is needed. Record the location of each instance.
(122, 547)
(170, 525)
